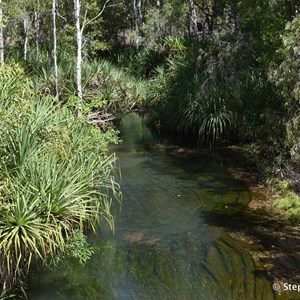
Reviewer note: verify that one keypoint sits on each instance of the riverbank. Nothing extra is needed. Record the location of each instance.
(172, 234)
(276, 239)
(273, 240)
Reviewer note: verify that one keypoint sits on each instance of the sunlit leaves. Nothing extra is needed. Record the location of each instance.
(55, 179)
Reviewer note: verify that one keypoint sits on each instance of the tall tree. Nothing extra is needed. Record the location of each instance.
(55, 46)
(159, 4)
(79, 37)
(37, 30)
(1, 34)
(77, 7)
(137, 10)
(26, 24)
(193, 18)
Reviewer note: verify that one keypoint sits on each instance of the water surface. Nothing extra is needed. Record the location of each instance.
(172, 238)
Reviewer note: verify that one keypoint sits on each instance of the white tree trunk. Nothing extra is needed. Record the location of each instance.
(25, 38)
(1, 35)
(193, 18)
(37, 32)
(79, 53)
(79, 34)
(136, 24)
(55, 46)
(138, 18)
(159, 4)
(139, 6)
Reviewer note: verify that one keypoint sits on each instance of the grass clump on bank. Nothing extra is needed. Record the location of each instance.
(56, 179)
(288, 201)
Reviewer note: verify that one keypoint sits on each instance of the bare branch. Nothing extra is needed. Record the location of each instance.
(85, 22)
(62, 17)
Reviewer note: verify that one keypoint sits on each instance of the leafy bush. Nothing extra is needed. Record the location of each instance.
(214, 89)
(162, 23)
(13, 83)
(56, 178)
(104, 85)
(288, 200)
(194, 91)
(286, 77)
(79, 248)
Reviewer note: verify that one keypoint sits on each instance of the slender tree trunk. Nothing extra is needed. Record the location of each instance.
(79, 53)
(193, 18)
(54, 45)
(140, 12)
(50, 49)
(138, 19)
(37, 32)
(136, 24)
(1, 35)
(159, 4)
(25, 38)
(79, 34)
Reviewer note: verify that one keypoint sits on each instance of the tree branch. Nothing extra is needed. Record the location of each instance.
(85, 22)
(62, 17)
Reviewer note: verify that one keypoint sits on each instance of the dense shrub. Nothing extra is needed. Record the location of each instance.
(286, 76)
(13, 83)
(105, 86)
(56, 178)
(214, 89)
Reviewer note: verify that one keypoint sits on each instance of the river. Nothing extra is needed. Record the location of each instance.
(172, 239)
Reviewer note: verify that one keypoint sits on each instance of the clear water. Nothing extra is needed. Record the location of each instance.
(172, 233)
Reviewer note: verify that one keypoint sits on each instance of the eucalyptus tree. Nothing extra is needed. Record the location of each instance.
(160, 22)
(159, 4)
(21, 13)
(36, 25)
(138, 17)
(1, 34)
(79, 27)
(54, 4)
(26, 24)
(193, 18)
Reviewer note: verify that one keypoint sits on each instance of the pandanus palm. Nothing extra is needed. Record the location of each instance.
(55, 179)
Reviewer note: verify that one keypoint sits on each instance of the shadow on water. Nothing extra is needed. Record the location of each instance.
(173, 235)
(278, 244)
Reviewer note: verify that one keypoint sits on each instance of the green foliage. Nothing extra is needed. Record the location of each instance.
(13, 83)
(79, 248)
(56, 178)
(211, 89)
(286, 77)
(170, 20)
(264, 20)
(105, 86)
(288, 200)
(5, 295)
(290, 203)
(211, 119)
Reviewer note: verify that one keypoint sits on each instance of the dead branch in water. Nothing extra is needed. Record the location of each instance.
(101, 118)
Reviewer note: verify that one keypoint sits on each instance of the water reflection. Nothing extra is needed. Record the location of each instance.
(166, 245)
